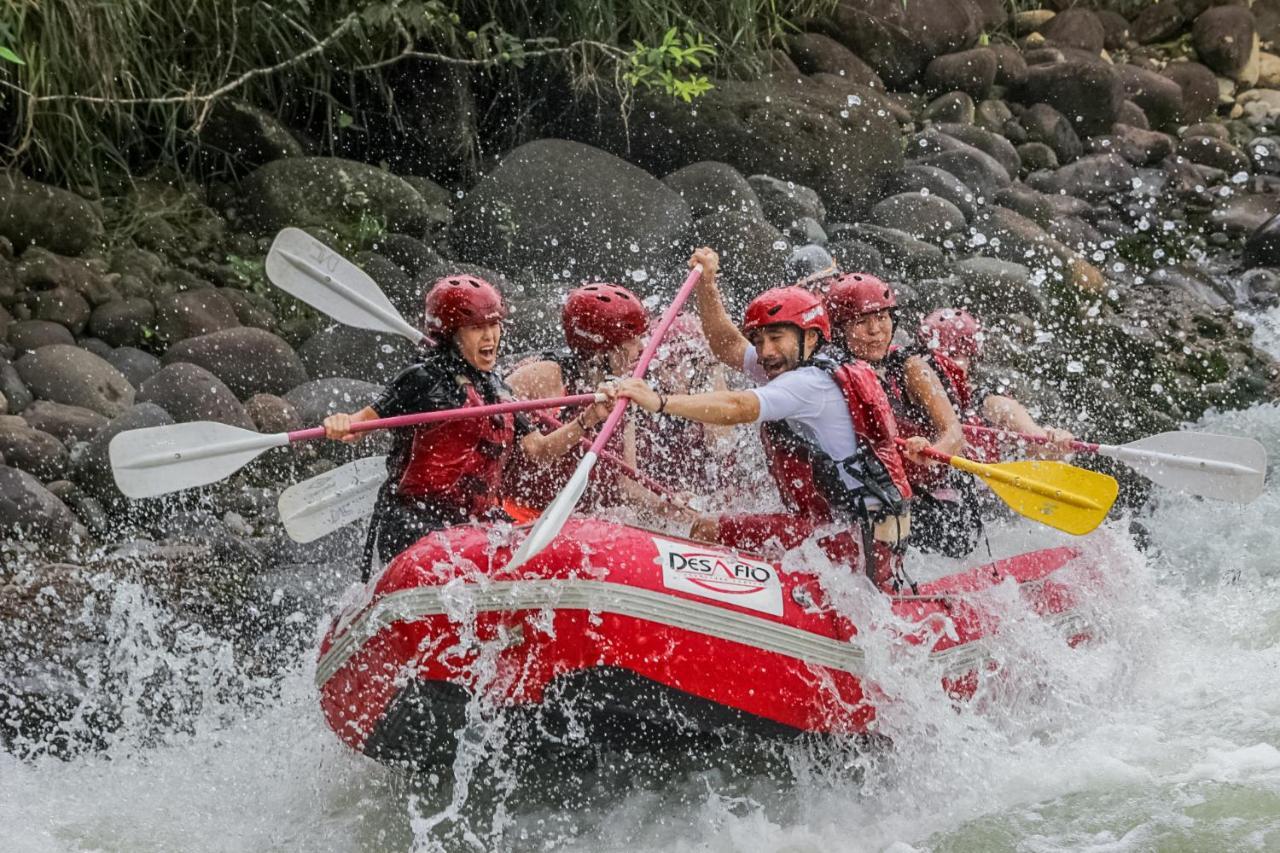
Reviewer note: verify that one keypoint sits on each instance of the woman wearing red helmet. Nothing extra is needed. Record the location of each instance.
(449, 473)
(863, 308)
(826, 428)
(952, 340)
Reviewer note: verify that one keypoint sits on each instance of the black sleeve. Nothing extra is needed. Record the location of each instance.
(419, 390)
(524, 426)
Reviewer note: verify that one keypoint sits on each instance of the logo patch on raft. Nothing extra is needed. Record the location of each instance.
(720, 575)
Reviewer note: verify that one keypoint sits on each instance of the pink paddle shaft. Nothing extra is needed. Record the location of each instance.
(611, 423)
(1082, 446)
(619, 463)
(452, 415)
(928, 452)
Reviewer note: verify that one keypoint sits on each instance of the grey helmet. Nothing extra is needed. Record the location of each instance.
(810, 264)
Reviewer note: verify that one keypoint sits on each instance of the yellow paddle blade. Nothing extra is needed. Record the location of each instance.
(1073, 500)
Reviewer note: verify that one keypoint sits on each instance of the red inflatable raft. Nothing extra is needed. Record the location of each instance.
(615, 631)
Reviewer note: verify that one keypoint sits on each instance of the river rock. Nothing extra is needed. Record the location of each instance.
(753, 253)
(1139, 147)
(986, 141)
(329, 191)
(993, 115)
(188, 392)
(898, 40)
(1076, 27)
(124, 322)
(1045, 124)
(858, 256)
(29, 508)
(70, 375)
(974, 168)
(624, 219)
(38, 453)
(68, 424)
(193, 313)
(271, 414)
(15, 391)
(902, 253)
(1115, 29)
(954, 107)
(1225, 39)
(925, 217)
(62, 306)
(970, 71)
(934, 181)
(251, 309)
(1244, 213)
(1158, 22)
(341, 351)
(30, 335)
(248, 135)
(1159, 97)
(248, 361)
(136, 365)
(37, 214)
(993, 286)
(1132, 115)
(1199, 89)
(815, 53)
(93, 467)
(784, 202)
(410, 254)
(710, 187)
(318, 399)
(1095, 177)
(1027, 21)
(1262, 249)
(1264, 154)
(1035, 156)
(1012, 237)
(1011, 67)
(1214, 153)
(1088, 94)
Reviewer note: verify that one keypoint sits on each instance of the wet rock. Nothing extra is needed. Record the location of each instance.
(806, 231)
(251, 309)
(191, 393)
(1139, 147)
(1262, 287)
(1262, 249)
(1268, 70)
(1199, 89)
(1260, 106)
(970, 71)
(513, 219)
(1029, 21)
(1088, 94)
(939, 182)
(246, 134)
(30, 335)
(1076, 27)
(710, 187)
(248, 361)
(193, 313)
(404, 292)
(992, 286)
(1225, 39)
(1132, 115)
(41, 215)
(14, 389)
(124, 322)
(1158, 22)
(1115, 29)
(1012, 237)
(38, 453)
(62, 306)
(1011, 68)
(136, 365)
(70, 375)
(954, 107)
(754, 253)
(1264, 154)
(898, 41)
(1209, 129)
(93, 467)
(68, 424)
(858, 256)
(815, 53)
(28, 508)
(925, 217)
(329, 191)
(410, 254)
(993, 115)
(902, 253)
(270, 414)
(1046, 125)
(320, 398)
(1189, 281)
(784, 202)
(976, 169)
(986, 141)
(1095, 177)
(98, 347)
(1027, 202)
(1214, 153)
(1243, 214)
(1036, 156)
(1159, 97)
(341, 351)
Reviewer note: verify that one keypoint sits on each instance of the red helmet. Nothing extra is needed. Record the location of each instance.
(791, 305)
(954, 331)
(599, 317)
(857, 293)
(461, 300)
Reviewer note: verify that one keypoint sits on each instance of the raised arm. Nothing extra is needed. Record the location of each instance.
(924, 386)
(1007, 413)
(726, 342)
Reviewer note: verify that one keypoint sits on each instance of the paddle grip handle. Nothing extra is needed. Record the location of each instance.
(673, 310)
(452, 415)
(1077, 445)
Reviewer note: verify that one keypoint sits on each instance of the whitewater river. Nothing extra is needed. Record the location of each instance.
(1166, 736)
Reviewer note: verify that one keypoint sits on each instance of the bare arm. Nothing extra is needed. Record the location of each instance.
(726, 342)
(338, 427)
(925, 388)
(1008, 413)
(542, 447)
(722, 408)
(536, 380)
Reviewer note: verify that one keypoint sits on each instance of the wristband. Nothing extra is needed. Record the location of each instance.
(662, 403)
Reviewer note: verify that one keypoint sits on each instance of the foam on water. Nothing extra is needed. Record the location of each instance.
(1165, 735)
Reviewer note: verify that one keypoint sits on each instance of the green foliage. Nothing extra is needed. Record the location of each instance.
(9, 56)
(666, 67)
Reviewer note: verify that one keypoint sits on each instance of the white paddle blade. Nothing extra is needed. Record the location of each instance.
(158, 460)
(1223, 467)
(322, 504)
(549, 524)
(307, 269)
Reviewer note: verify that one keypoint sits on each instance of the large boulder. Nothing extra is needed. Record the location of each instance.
(753, 253)
(188, 392)
(984, 140)
(30, 335)
(1225, 39)
(1159, 97)
(785, 202)
(68, 424)
(318, 399)
(1199, 89)
(934, 181)
(1079, 28)
(1015, 238)
(1046, 125)
(974, 168)
(14, 390)
(1140, 147)
(270, 413)
(328, 191)
(971, 71)
(1214, 153)
(29, 508)
(41, 215)
(815, 53)
(341, 351)
(248, 361)
(925, 217)
(93, 467)
(554, 207)
(247, 135)
(193, 313)
(1159, 22)
(61, 305)
(710, 187)
(38, 453)
(76, 377)
(898, 39)
(136, 365)
(842, 145)
(123, 322)
(1088, 94)
(1096, 178)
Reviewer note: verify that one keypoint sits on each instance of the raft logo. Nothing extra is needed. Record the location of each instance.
(720, 575)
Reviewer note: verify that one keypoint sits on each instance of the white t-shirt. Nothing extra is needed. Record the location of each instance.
(809, 400)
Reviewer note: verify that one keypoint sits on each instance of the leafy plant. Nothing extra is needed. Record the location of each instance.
(9, 56)
(669, 67)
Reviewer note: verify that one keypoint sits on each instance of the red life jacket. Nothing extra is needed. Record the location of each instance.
(457, 465)
(808, 479)
(982, 446)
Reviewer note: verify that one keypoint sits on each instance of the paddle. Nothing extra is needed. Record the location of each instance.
(558, 512)
(157, 460)
(1225, 467)
(1067, 498)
